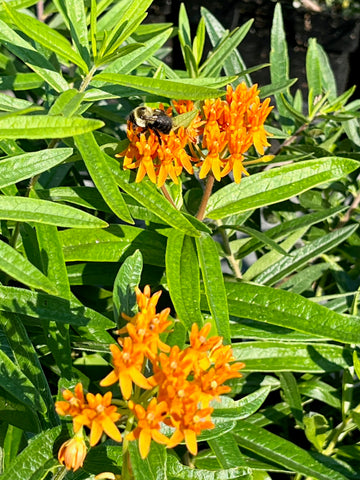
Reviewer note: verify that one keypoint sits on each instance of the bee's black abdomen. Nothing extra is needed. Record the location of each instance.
(161, 122)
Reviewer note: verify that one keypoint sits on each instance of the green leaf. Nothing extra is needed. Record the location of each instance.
(19, 268)
(277, 449)
(199, 41)
(41, 305)
(21, 351)
(313, 73)
(110, 244)
(46, 36)
(19, 386)
(14, 413)
(153, 466)
(279, 61)
(22, 209)
(16, 168)
(285, 228)
(75, 10)
(8, 103)
(33, 59)
(177, 470)
(226, 451)
(53, 265)
(223, 51)
(292, 395)
(230, 409)
(287, 309)
(46, 126)
(19, 4)
(148, 195)
(234, 64)
(67, 103)
(286, 265)
(277, 185)
(128, 277)
(36, 459)
(183, 278)
(292, 357)
(214, 285)
(327, 75)
(316, 429)
(127, 63)
(102, 176)
(158, 87)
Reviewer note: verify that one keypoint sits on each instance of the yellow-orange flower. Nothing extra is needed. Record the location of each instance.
(148, 426)
(72, 453)
(232, 127)
(145, 327)
(156, 157)
(96, 413)
(128, 364)
(100, 416)
(74, 402)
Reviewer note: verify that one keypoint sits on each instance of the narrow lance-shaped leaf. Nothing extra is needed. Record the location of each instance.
(128, 277)
(75, 10)
(41, 305)
(277, 185)
(164, 88)
(183, 277)
(17, 168)
(27, 53)
(234, 64)
(287, 309)
(46, 126)
(22, 209)
(46, 36)
(19, 268)
(102, 175)
(34, 461)
(281, 451)
(26, 358)
(214, 284)
(53, 264)
(286, 265)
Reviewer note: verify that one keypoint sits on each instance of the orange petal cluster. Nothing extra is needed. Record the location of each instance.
(232, 126)
(226, 129)
(178, 394)
(158, 158)
(94, 412)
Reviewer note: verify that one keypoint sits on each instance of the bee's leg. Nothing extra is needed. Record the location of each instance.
(157, 134)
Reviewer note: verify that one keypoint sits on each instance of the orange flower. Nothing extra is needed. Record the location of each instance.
(100, 416)
(96, 413)
(157, 158)
(148, 426)
(72, 453)
(73, 404)
(128, 363)
(189, 421)
(232, 126)
(146, 326)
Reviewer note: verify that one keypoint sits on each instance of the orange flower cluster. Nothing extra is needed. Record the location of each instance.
(179, 392)
(94, 412)
(228, 128)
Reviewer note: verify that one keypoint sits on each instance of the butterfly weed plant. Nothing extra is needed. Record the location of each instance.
(179, 254)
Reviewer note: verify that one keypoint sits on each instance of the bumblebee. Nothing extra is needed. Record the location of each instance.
(151, 119)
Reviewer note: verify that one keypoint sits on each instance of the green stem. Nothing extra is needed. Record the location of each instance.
(208, 189)
(87, 79)
(234, 264)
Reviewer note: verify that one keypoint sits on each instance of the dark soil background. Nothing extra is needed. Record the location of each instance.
(339, 36)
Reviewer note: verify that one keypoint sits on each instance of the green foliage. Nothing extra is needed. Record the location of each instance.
(78, 234)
